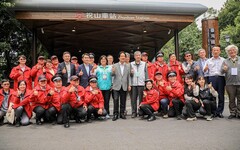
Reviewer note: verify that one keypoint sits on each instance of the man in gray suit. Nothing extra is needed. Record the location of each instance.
(200, 64)
(121, 73)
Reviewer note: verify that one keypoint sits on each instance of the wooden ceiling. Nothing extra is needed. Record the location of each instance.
(103, 36)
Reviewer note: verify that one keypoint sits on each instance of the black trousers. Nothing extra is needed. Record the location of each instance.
(106, 96)
(176, 109)
(146, 110)
(209, 106)
(218, 83)
(92, 110)
(191, 108)
(48, 114)
(137, 91)
(116, 94)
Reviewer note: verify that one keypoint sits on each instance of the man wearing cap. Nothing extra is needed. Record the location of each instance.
(76, 96)
(61, 95)
(139, 73)
(120, 73)
(21, 72)
(159, 85)
(55, 62)
(66, 69)
(151, 67)
(37, 70)
(6, 99)
(174, 91)
(74, 60)
(161, 65)
(94, 102)
(42, 101)
(84, 70)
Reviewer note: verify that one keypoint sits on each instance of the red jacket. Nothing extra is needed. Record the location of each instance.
(160, 89)
(16, 76)
(151, 70)
(74, 102)
(174, 66)
(151, 99)
(62, 95)
(43, 99)
(49, 76)
(96, 100)
(55, 68)
(176, 92)
(35, 73)
(25, 102)
(10, 99)
(162, 68)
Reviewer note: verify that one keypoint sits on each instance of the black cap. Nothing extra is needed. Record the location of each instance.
(73, 78)
(42, 78)
(149, 80)
(74, 58)
(172, 74)
(91, 55)
(92, 79)
(158, 73)
(56, 77)
(160, 54)
(144, 54)
(41, 57)
(53, 57)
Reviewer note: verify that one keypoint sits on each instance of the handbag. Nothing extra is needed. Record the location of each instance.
(10, 116)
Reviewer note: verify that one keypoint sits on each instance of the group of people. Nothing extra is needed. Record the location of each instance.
(57, 92)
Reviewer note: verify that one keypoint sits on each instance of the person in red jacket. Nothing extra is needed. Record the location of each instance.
(161, 65)
(159, 85)
(49, 72)
(175, 91)
(150, 102)
(6, 99)
(55, 62)
(74, 60)
(94, 100)
(21, 72)
(76, 95)
(176, 66)
(61, 95)
(42, 101)
(151, 67)
(21, 104)
(37, 70)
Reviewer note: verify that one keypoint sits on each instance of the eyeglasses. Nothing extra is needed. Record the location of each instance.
(188, 55)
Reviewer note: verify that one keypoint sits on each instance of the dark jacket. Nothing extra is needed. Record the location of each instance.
(85, 76)
(65, 75)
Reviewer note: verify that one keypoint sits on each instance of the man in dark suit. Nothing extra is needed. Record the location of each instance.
(84, 70)
(66, 69)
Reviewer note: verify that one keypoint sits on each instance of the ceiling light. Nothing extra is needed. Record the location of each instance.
(74, 29)
(169, 31)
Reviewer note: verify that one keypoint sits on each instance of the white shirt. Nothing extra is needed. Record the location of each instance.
(68, 67)
(121, 67)
(214, 66)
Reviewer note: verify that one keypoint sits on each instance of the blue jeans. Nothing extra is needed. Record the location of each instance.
(164, 105)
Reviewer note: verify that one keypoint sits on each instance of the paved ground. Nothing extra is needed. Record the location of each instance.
(169, 134)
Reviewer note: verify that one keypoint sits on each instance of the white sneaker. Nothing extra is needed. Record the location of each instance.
(192, 119)
(107, 116)
(209, 118)
(165, 116)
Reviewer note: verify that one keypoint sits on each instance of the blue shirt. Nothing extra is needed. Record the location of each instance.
(104, 75)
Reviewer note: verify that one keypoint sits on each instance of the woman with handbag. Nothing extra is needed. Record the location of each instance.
(207, 95)
(21, 104)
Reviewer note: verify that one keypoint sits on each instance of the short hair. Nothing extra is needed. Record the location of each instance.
(171, 55)
(66, 52)
(201, 49)
(47, 61)
(137, 52)
(231, 47)
(5, 80)
(102, 57)
(85, 54)
(122, 52)
(127, 54)
(110, 55)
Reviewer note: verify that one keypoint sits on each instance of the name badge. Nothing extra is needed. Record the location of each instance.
(104, 76)
(234, 71)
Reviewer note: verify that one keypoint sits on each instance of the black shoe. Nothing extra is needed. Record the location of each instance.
(220, 116)
(78, 121)
(179, 117)
(231, 116)
(134, 115)
(88, 120)
(1, 121)
(17, 123)
(115, 117)
(66, 125)
(123, 116)
(38, 122)
(152, 118)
